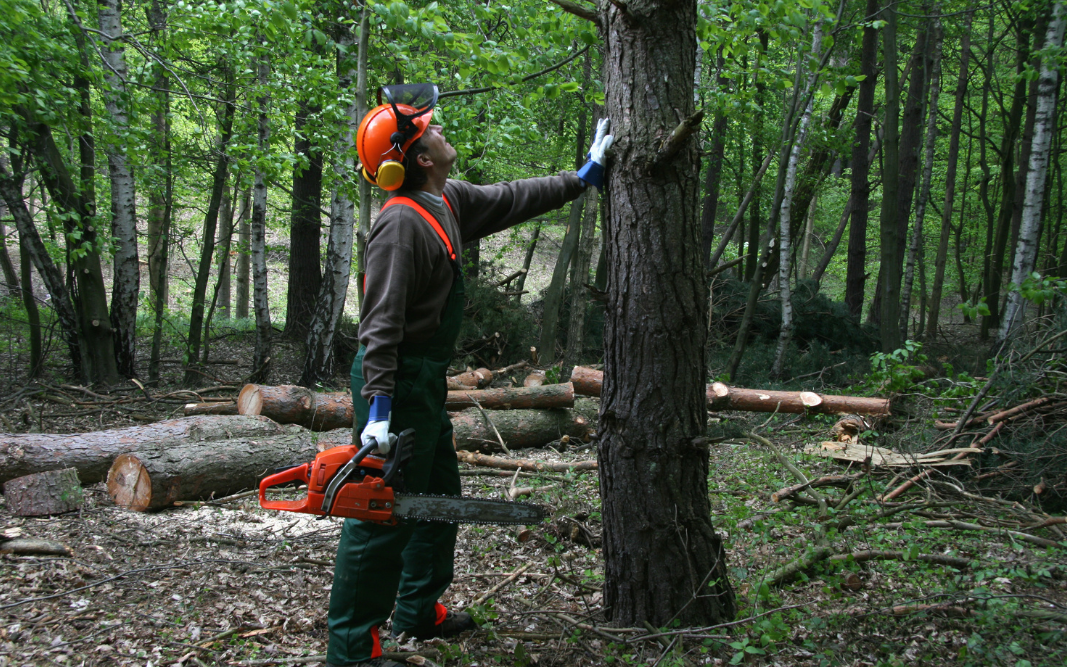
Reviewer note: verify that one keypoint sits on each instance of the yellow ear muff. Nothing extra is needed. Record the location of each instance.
(390, 175)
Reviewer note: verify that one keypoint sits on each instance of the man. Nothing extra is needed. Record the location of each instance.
(412, 310)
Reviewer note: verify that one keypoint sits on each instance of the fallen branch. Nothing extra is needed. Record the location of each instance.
(963, 525)
(474, 458)
(792, 569)
(28, 546)
(828, 480)
(501, 584)
(227, 408)
(1017, 410)
(877, 554)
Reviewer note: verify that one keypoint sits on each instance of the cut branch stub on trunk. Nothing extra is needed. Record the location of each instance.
(588, 382)
(92, 453)
(44, 493)
(215, 408)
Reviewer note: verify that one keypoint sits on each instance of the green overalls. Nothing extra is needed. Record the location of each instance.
(410, 563)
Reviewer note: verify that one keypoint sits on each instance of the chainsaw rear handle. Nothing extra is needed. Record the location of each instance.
(296, 474)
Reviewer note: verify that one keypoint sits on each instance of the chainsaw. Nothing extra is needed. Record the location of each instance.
(352, 482)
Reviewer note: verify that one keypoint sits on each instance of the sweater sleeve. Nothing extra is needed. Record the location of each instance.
(482, 210)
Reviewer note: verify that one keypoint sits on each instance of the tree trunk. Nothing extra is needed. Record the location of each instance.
(290, 404)
(126, 284)
(44, 493)
(663, 559)
(156, 475)
(244, 234)
(30, 241)
(305, 273)
(225, 239)
(916, 246)
(856, 270)
(950, 180)
(261, 355)
(713, 171)
(1044, 128)
(211, 219)
(520, 282)
(229, 223)
(579, 279)
(888, 222)
(804, 267)
(33, 315)
(999, 247)
(588, 382)
(92, 453)
(831, 247)
(520, 429)
(11, 278)
(554, 293)
(159, 206)
(318, 364)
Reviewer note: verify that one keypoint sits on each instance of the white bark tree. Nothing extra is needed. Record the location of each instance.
(1044, 128)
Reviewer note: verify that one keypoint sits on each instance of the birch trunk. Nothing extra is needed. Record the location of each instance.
(261, 360)
(915, 247)
(318, 364)
(1044, 128)
(126, 285)
(950, 181)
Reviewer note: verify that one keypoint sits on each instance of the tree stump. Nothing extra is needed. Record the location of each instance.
(44, 493)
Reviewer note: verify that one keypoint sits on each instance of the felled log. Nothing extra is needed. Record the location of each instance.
(482, 377)
(588, 382)
(290, 404)
(213, 408)
(44, 493)
(520, 429)
(534, 379)
(155, 476)
(30, 546)
(92, 453)
(477, 459)
(513, 398)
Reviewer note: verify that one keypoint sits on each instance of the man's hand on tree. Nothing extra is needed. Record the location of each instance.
(593, 171)
(377, 429)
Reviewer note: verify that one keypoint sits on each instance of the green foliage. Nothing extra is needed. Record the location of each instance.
(496, 331)
(897, 371)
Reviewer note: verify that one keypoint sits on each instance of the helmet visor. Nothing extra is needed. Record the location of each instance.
(420, 96)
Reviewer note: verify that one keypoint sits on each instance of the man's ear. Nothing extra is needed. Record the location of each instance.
(423, 160)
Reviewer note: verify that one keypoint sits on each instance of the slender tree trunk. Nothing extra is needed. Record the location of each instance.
(261, 355)
(856, 270)
(1012, 126)
(713, 171)
(809, 231)
(950, 180)
(159, 204)
(223, 248)
(891, 191)
(663, 559)
(229, 222)
(520, 282)
(33, 315)
(1044, 128)
(126, 284)
(916, 246)
(318, 364)
(243, 273)
(11, 277)
(579, 278)
(831, 247)
(211, 219)
(554, 293)
(305, 273)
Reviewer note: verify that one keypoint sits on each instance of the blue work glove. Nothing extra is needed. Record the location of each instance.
(593, 171)
(377, 429)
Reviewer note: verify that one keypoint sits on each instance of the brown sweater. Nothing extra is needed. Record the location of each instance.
(408, 271)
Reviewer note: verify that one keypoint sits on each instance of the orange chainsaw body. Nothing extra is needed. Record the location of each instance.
(366, 499)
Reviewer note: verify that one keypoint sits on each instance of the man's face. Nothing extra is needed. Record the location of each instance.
(438, 151)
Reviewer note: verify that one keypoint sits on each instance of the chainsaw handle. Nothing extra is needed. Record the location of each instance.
(299, 473)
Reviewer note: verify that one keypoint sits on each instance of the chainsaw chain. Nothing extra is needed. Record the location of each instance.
(508, 503)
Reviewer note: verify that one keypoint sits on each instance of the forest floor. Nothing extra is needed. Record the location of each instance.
(227, 583)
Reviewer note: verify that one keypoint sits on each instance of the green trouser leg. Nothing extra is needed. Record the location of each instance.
(374, 562)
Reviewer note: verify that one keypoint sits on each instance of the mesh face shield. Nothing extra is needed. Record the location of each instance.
(422, 97)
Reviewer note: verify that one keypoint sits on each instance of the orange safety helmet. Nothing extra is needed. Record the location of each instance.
(388, 130)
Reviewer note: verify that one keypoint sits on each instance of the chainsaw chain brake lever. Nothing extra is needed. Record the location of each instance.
(398, 457)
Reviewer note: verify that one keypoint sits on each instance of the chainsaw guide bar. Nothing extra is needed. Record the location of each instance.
(458, 509)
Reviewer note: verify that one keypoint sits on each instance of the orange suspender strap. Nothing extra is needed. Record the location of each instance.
(407, 201)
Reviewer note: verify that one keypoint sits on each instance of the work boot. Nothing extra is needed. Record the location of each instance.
(454, 623)
(373, 662)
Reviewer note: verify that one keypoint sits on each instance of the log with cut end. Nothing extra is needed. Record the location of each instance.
(479, 379)
(92, 453)
(534, 379)
(512, 398)
(588, 382)
(44, 493)
(216, 408)
(290, 404)
(519, 428)
(155, 476)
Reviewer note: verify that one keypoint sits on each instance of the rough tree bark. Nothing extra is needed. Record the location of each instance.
(713, 170)
(579, 278)
(890, 284)
(261, 355)
(663, 559)
(242, 273)
(554, 293)
(856, 270)
(318, 364)
(950, 180)
(126, 282)
(159, 199)
(305, 274)
(1044, 128)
